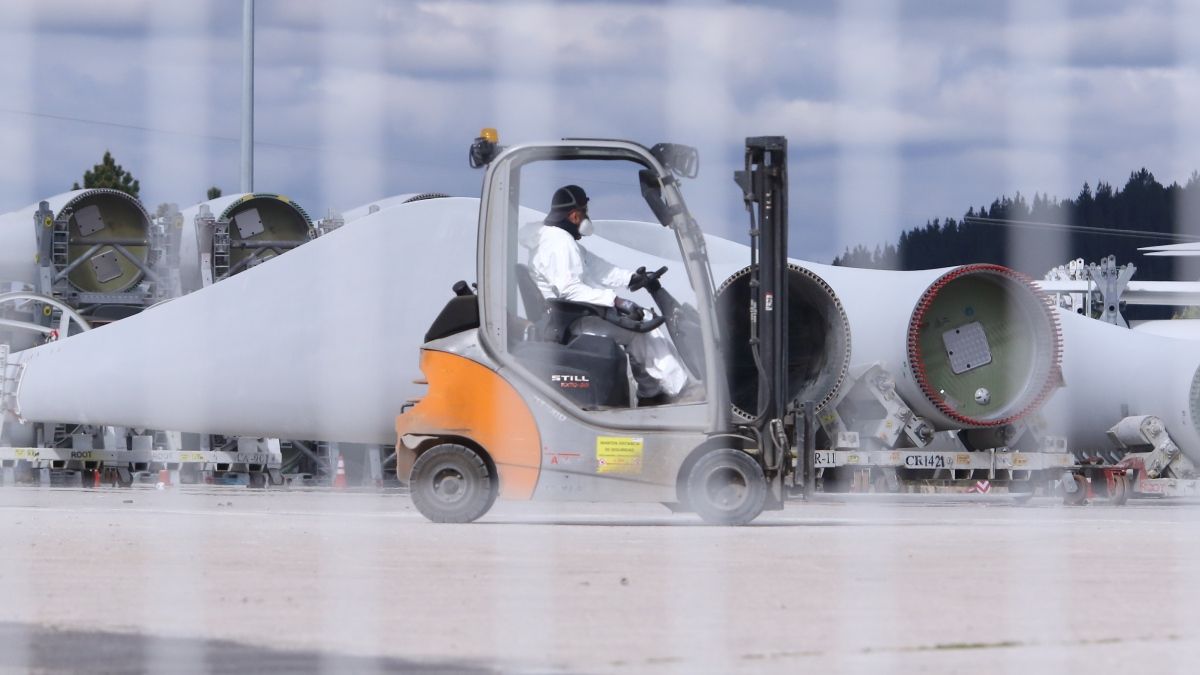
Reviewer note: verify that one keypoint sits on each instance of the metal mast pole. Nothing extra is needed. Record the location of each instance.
(248, 96)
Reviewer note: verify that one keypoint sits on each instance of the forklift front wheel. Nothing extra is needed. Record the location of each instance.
(727, 487)
(451, 483)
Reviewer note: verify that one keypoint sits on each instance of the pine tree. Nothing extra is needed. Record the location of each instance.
(1142, 204)
(109, 174)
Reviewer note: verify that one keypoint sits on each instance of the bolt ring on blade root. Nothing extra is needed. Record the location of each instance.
(1021, 322)
(818, 350)
(106, 235)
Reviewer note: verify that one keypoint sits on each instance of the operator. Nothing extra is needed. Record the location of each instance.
(566, 270)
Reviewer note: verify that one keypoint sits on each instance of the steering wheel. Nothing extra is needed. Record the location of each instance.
(649, 321)
(642, 278)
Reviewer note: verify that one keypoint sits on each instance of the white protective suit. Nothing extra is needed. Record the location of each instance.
(563, 269)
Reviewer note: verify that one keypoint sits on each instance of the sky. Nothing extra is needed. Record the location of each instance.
(895, 112)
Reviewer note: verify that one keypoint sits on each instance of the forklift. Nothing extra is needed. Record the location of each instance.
(523, 405)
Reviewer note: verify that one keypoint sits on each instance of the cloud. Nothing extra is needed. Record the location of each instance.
(383, 95)
(53, 16)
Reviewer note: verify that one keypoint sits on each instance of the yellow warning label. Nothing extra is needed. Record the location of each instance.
(619, 455)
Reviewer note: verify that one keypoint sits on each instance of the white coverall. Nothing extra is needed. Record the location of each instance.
(563, 269)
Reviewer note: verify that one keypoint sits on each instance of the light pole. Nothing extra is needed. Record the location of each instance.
(248, 96)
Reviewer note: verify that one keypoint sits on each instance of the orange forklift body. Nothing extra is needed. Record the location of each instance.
(472, 402)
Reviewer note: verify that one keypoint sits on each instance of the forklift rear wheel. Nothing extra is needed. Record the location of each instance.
(727, 487)
(451, 483)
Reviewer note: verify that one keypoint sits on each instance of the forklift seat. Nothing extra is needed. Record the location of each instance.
(552, 317)
(591, 370)
(535, 303)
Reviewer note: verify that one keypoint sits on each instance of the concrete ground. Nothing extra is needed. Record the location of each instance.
(234, 580)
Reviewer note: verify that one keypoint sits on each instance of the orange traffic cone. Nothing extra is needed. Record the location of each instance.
(96, 478)
(164, 478)
(339, 479)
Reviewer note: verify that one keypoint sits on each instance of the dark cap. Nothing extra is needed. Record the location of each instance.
(566, 199)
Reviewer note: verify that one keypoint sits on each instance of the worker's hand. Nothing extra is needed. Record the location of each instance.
(648, 280)
(629, 308)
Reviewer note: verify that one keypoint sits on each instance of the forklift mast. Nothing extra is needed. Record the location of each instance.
(764, 186)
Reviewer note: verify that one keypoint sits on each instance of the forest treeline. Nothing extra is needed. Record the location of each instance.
(1142, 205)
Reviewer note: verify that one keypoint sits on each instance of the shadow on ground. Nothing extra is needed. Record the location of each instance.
(25, 648)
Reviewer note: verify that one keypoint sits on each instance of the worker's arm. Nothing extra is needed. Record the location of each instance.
(603, 273)
(560, 264)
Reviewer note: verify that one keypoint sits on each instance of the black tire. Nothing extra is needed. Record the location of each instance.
(451, 483)
(727, 487)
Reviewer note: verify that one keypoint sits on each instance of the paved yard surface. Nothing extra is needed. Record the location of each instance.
(234, 580)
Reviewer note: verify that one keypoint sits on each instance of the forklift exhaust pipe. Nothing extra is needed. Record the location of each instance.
(819, 347)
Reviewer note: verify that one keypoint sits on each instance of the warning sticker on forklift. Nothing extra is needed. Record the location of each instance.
(619, 455)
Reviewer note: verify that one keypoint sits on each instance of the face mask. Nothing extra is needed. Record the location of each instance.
(585, 227)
